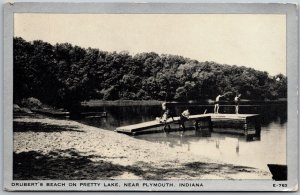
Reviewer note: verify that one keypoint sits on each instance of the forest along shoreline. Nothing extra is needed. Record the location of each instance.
(50, 148)
(63, 75)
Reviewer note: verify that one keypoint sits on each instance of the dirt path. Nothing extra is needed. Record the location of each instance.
(46, 148)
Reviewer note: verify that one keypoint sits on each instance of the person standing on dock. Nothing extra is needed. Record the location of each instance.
(217, 106)
(164, 106)
(237, 103)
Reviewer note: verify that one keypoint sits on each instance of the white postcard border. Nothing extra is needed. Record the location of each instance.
(180, 8)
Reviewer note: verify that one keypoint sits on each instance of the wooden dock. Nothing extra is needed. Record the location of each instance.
(201, 121)
(246, 124)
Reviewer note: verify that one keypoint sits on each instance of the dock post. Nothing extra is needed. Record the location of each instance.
(165, 128)
(197, 132)
(245, 129)
(196, 125)
(257, 127)
(210, 124)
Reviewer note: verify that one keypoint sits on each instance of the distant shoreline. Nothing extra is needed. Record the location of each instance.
(95, 103)
(92, 103)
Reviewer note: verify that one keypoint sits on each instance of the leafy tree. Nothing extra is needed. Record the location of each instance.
(63, 75)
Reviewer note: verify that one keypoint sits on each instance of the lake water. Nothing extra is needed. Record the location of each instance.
(229, 148)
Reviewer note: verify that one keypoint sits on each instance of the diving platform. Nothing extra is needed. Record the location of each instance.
(246, 124)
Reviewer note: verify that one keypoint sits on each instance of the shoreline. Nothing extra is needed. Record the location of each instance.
(207, 102)
(66, 149)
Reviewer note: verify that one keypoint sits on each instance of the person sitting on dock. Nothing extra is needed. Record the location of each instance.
(217, 106)
(165, 116)
(185, 115)
(167, 113)
(237, 103)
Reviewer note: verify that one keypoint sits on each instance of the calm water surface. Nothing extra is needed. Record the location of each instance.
(270, 149)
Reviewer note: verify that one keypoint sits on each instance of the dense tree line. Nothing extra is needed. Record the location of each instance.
(63, 75)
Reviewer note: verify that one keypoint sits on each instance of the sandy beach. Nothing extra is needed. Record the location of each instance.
(47, 148)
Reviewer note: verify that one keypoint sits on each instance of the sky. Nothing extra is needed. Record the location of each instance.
(252, 40)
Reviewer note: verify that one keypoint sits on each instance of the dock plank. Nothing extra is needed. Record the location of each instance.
(144, 125)
(230, 116)
(154, 123)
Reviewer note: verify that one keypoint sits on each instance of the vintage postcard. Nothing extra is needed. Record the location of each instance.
(150, 97)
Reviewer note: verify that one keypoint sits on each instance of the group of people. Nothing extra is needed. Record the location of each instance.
(167, 113)
(170, 114)
(237, 99)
